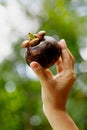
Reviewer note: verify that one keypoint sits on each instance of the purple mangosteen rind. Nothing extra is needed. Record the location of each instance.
(46, 52)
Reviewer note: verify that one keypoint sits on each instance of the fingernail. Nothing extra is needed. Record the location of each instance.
(62, 43)
(34, 65)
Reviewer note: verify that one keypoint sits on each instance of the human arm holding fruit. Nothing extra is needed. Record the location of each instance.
(56, 88)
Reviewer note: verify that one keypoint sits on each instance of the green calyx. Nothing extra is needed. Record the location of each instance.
(31, 36)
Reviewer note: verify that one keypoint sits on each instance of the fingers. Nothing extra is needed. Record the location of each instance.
(59, 65)
(65, 55)
(66, 62)
(71, 57)
(43, 74)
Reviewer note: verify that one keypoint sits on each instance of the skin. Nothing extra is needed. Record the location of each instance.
(56, 89)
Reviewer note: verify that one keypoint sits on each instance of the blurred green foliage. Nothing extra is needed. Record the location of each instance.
(20, 99)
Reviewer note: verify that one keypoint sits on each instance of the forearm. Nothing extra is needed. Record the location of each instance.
(60, 120)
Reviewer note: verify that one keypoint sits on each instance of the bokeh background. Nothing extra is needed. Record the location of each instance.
(20, 98)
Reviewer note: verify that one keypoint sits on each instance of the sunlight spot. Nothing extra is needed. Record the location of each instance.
(83, 67)
(83, 53)
(35, 120)
(10, 87)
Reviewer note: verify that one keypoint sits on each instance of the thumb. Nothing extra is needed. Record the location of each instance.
(40, 71)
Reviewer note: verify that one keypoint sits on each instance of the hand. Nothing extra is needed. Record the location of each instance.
(56, 88)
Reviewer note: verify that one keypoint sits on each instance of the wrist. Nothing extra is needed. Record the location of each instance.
(59, 119)
(49, 110)
(53, 107)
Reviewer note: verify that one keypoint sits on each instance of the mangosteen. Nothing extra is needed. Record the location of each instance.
(42, 49)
